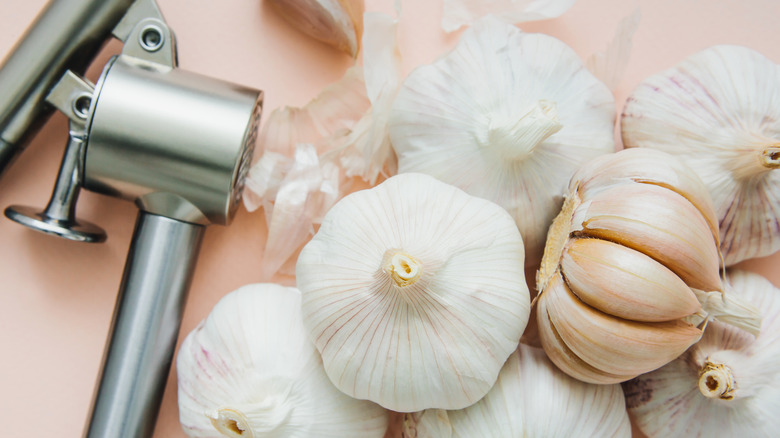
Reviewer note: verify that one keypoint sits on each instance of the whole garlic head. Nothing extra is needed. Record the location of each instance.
(529, 392)
(414, 293)
(728, 384)
(249, 370)
(507, 116)
(719, 111)
(631, 269)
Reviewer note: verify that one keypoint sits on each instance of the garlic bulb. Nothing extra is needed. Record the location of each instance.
(414, 293)
(528, 394)
(719, 111)
(631, 269)
(728, 384)
(507, 116)
(338, 23)
(249, 370)
(458, 13)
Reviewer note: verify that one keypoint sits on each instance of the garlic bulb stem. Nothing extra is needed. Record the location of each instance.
(404, 269)
(770, 156)
(716, 380)
(755, 161)
(232, 423)
(516, 138)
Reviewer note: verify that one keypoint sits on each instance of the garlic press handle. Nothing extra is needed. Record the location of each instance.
(145, 327)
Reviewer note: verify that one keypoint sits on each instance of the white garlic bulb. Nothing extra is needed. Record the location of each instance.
(719, 111)
(507, 116)
(728, 384)
(249, 370)
(414, 293)
(338, 23)
(532, 398)
(631, 269)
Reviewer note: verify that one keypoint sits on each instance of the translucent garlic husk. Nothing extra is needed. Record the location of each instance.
(532, 398)
(338, 23)
(249, 370)
(413, 294)
(459, 13)
(728, 384)
(631, 270)
(719, 112)
(507, 116)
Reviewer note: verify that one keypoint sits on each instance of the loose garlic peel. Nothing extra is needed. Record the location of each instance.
(719, 112)
(413, 294)
(530, 388)
(625, 267)
(249, 370)
(338, 23)
(728, 384)
(507, 116)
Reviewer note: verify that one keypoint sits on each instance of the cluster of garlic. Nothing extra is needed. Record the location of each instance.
(250, 370)
(631, 269)
(728, 384)
(530, 388)
(507, 116)
(719, 111)
(414, 293)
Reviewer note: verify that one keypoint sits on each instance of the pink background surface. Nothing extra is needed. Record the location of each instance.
(57, 297)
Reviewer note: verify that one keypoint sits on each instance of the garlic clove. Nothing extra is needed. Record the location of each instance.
(413, 293)
(718, 111)
(560, 354)
(615, 345)
(648, 166)
(657, 222)
(625, 283)
(338, 23)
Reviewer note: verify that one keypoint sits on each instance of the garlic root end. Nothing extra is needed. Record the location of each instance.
(231, 423)
(717, 381)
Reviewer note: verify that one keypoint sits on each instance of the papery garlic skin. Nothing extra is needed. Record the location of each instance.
(728, 384)
(507, 116)
(338, 23)
(626, 265)
(531, 398)
(249, 370)
(459, 13)
(414, 293)
(719, 111)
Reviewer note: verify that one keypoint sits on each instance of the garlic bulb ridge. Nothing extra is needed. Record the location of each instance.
(719, 111)
(507, 116)
(414, 293)
(249, 370)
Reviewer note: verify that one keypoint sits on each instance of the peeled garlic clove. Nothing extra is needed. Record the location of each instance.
(728, 384)
(507, 116)
(414, 294)
(561, 354)
(528, 390)
(648, 166)
(719, 112)
(338, 23)
(615, 345)
(625, 283)
(250, 370)
(659, 223)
